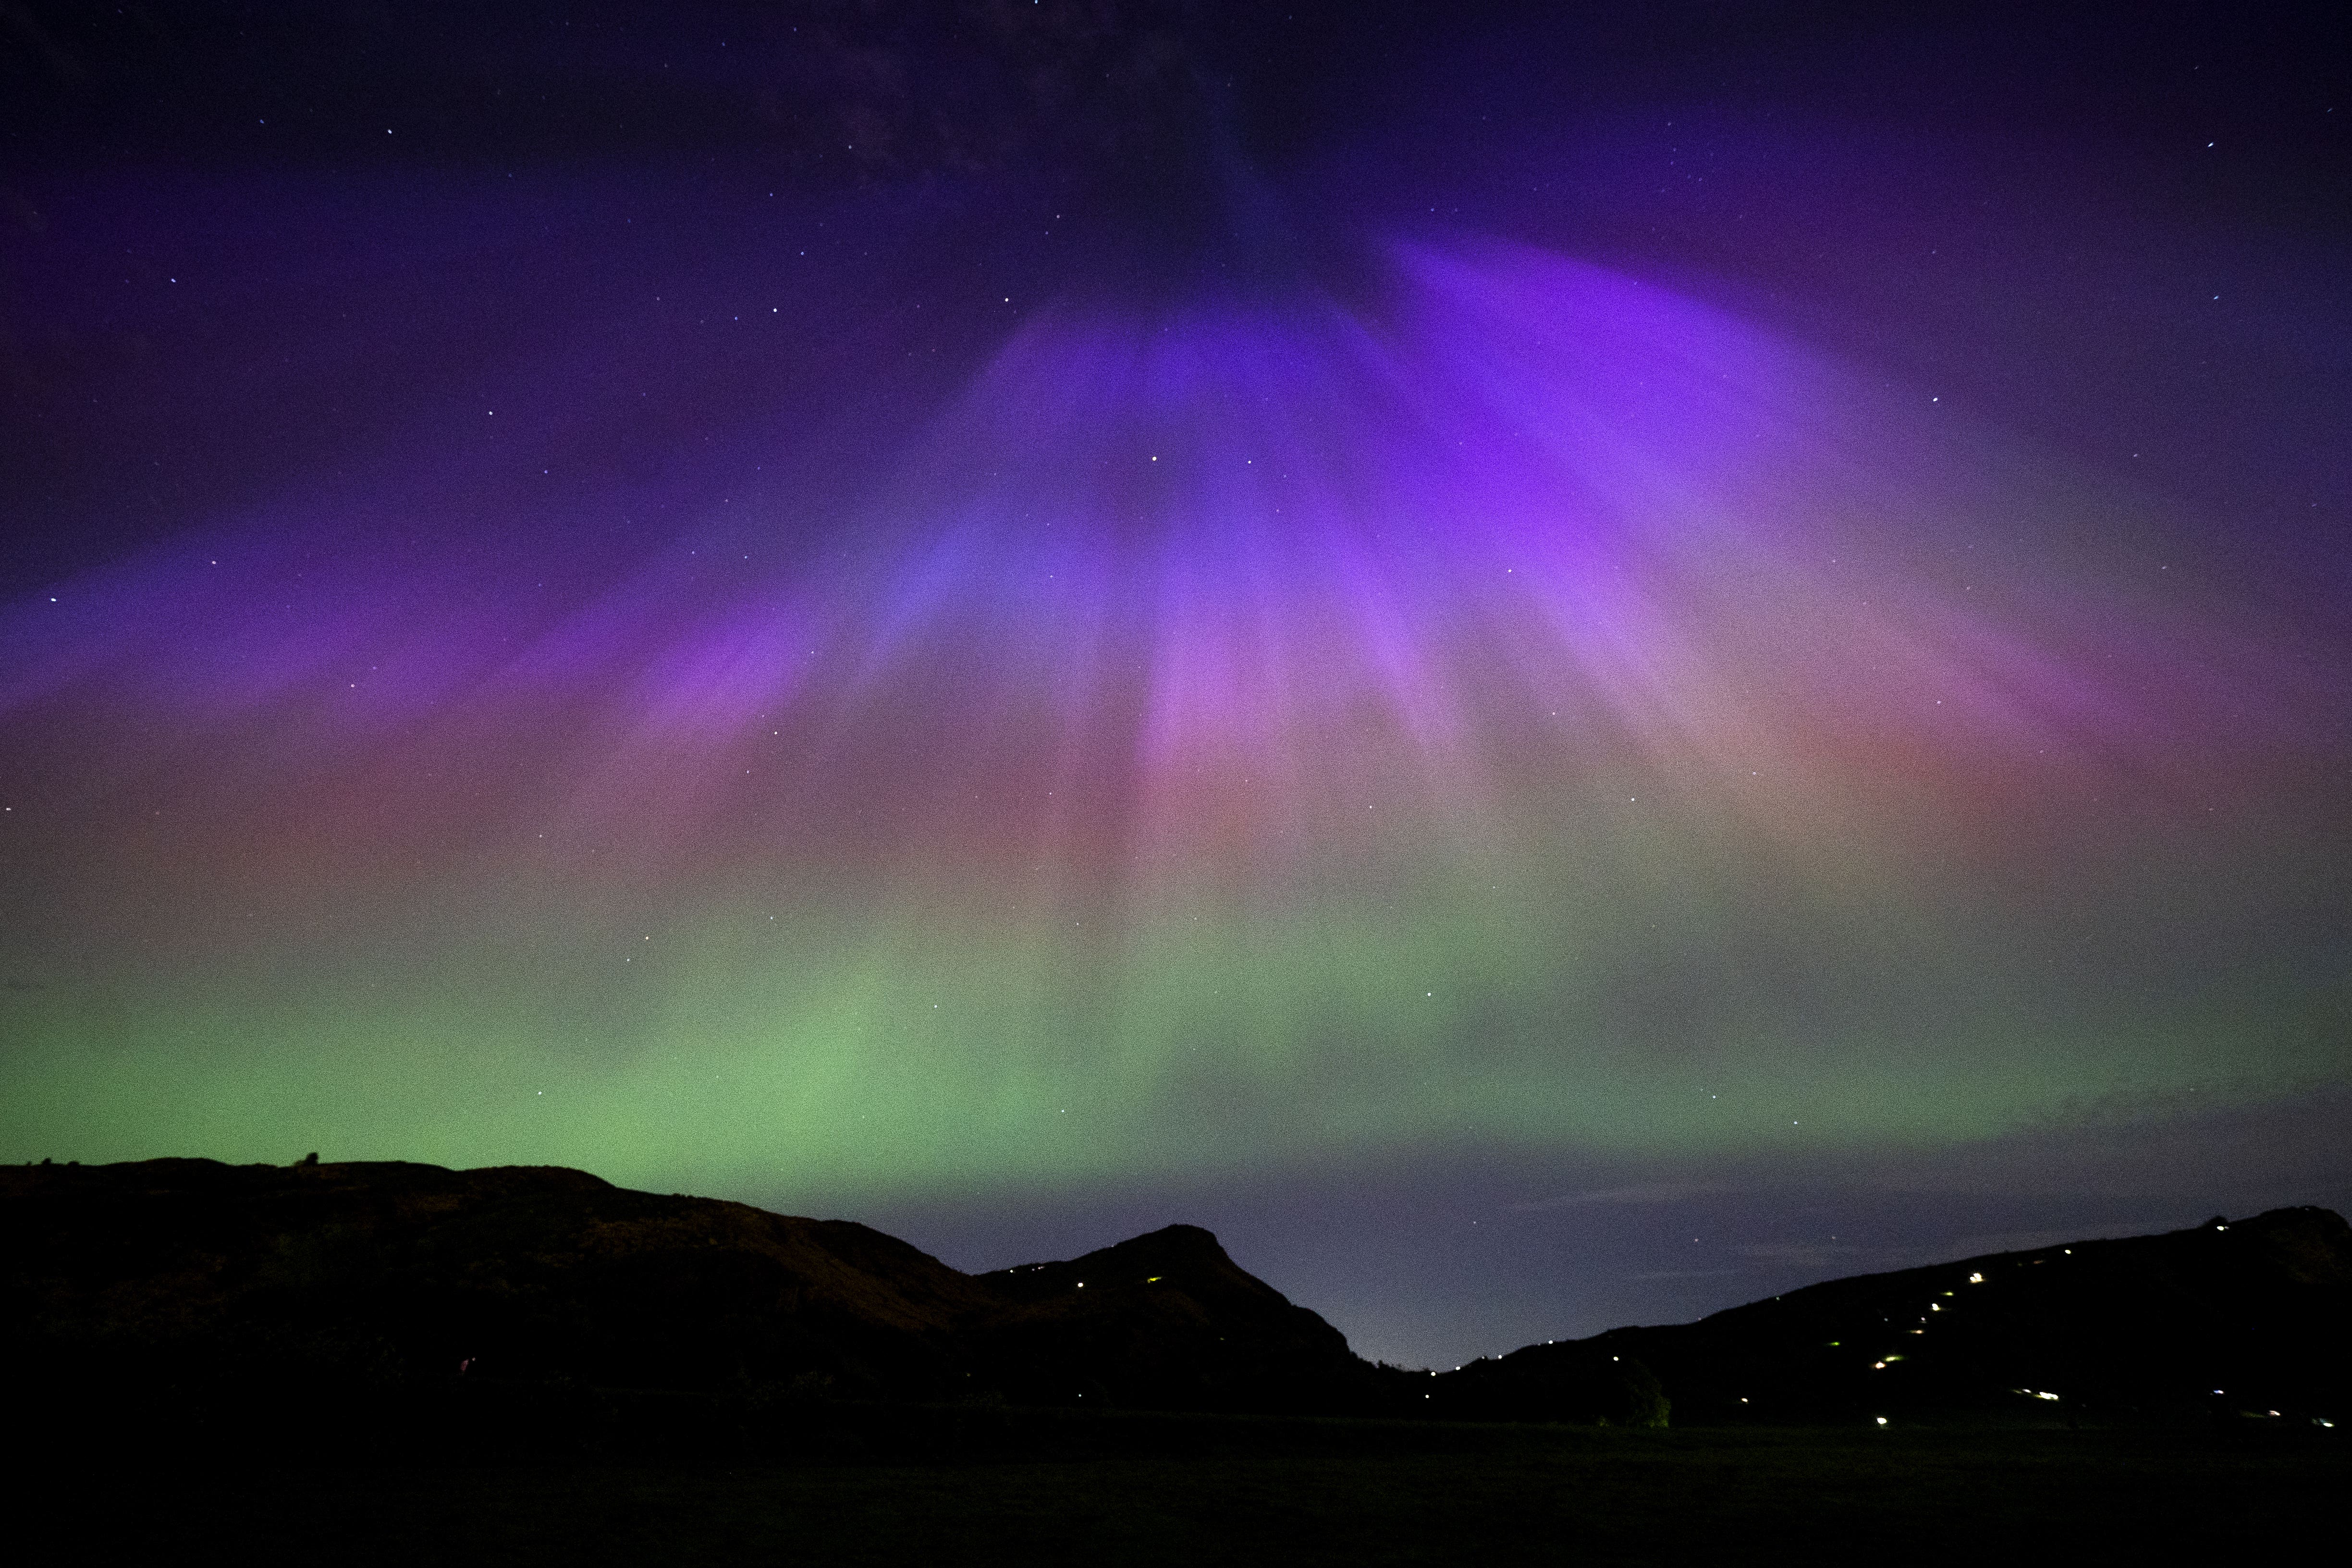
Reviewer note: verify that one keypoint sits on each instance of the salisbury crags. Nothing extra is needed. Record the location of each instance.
(382, 1274)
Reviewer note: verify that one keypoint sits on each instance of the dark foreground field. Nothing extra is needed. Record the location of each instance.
(1221, 1490)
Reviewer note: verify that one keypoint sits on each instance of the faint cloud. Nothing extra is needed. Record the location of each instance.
(1804, 1255)
(1684, 1273)
(1647, 1193)
(2035, 1240)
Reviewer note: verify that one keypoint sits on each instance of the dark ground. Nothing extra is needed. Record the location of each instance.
(1227, 1489)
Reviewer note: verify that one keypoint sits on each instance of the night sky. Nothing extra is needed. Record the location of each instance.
(1555, 666)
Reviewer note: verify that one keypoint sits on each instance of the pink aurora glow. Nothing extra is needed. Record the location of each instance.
(1209, 583)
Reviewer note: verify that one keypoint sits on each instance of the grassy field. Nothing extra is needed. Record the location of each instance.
(1297, 1493)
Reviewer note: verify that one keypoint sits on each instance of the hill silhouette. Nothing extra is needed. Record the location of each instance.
(1166, 1321)
(428, 1295)
(2242, 1320)
(367, 1277)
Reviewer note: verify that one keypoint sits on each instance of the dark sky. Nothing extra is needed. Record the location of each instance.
(1557, 666)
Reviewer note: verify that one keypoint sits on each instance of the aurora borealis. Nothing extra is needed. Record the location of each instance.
(1467, 688)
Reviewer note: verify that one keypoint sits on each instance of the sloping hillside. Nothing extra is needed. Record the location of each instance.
(376, 1275)
(2246, 1316)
